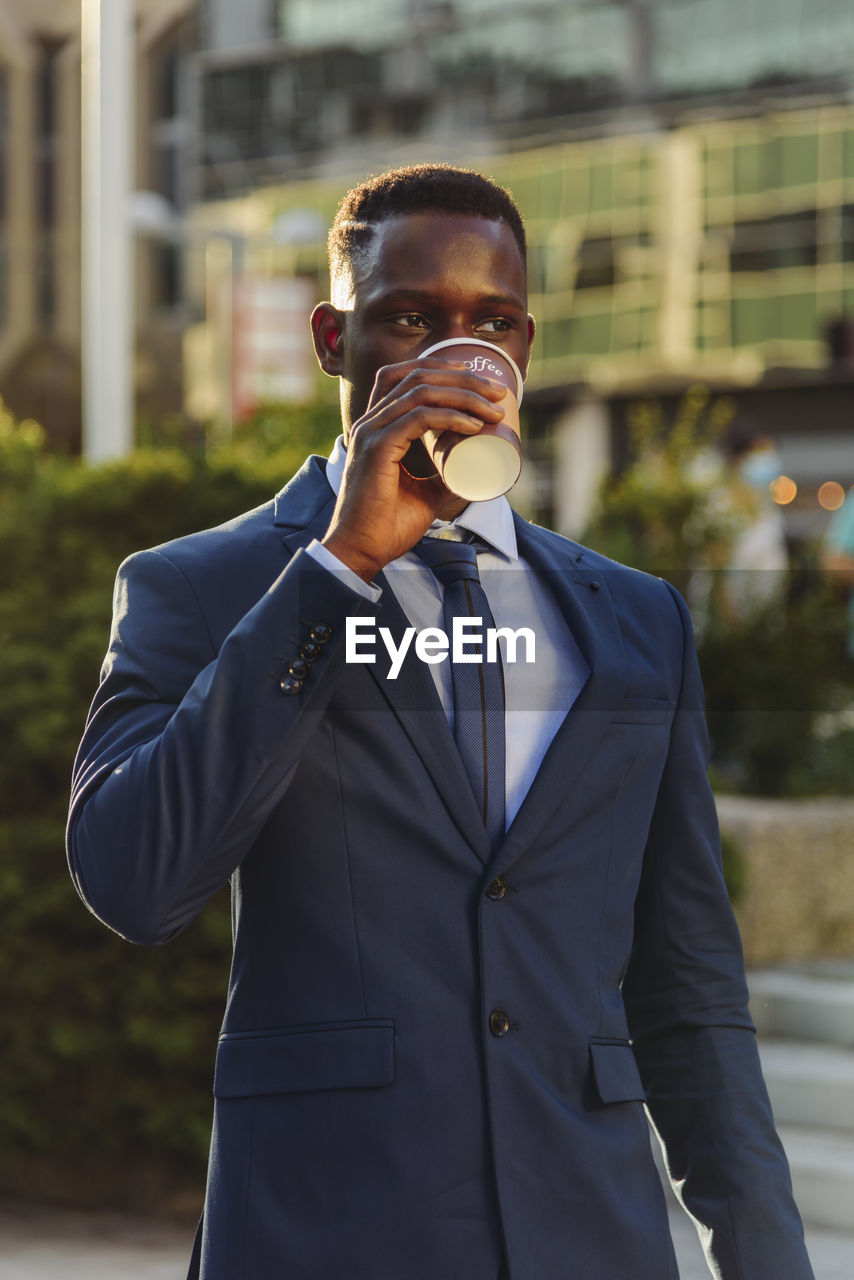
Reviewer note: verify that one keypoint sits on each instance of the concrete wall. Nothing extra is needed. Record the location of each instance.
(799, 900)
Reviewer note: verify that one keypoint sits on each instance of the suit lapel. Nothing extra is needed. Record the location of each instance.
(583, 597)
(416, 704)
(305, 505)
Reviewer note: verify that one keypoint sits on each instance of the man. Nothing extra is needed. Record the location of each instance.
(426, 1070)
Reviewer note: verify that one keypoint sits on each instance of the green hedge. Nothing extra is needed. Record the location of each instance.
(779, 685)
(779, 695)
(107, 1050)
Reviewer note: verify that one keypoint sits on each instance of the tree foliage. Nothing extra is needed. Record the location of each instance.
(774, 669)
(107, 1048)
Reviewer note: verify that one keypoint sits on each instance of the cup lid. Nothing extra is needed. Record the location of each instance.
(490, 346)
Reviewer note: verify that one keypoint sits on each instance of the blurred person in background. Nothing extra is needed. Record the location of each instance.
(741, 563)
(837, 558)
(452, 991)
(757, 560)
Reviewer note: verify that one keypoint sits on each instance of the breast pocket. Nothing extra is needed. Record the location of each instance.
(644, 711)
(338, 1055)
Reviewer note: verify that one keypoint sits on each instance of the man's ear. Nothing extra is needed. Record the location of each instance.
(327, 330)
(532, 329)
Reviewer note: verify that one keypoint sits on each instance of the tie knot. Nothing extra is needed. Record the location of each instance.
(449, 561)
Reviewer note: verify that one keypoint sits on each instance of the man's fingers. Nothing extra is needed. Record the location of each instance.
(439, 398)
(414, 406)
(401, 429)
(402, 379)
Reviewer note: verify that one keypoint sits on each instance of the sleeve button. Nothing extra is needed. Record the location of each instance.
(320, 632)
(290, 685)
(299, 668)
(309, 650)
(499, 1023)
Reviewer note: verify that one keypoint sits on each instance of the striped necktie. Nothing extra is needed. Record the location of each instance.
(478, 686)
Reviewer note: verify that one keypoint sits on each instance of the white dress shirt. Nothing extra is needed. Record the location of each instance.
(538, 694)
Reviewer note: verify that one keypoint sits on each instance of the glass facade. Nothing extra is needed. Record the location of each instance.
(710, 45)
(715, 250)
(662, 241)
(693, 44)
(560, 38)
(168, 149)
(778, 209)
(337, 74)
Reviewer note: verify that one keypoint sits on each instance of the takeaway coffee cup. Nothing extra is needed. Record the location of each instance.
(486, 465)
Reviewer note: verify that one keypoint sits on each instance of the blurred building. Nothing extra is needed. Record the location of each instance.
(685, 167)
(40, 283)
(291, 87)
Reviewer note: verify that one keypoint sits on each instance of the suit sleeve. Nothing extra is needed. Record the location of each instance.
(188, 748)
(686, 999)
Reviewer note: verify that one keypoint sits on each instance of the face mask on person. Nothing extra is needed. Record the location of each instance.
(760, 468)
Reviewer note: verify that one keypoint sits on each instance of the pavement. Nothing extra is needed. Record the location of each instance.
(40, 1243)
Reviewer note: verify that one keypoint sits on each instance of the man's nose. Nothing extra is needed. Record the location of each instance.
(455, 329)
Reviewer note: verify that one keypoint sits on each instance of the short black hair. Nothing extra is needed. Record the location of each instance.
(417, 188)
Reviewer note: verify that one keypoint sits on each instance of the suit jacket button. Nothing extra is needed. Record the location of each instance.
(309, 650)
(299, 668)
(321, 632)
(290, 685)
(496, 891)
(499, 1023)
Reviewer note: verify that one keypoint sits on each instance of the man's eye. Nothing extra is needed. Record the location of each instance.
(497, 324)
(411, 321)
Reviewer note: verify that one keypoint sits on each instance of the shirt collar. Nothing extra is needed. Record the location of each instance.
(492, 521)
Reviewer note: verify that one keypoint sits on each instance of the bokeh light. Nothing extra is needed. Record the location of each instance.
(831, 495)
(783, 490)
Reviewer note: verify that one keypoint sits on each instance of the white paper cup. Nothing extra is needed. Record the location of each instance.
(484, 466)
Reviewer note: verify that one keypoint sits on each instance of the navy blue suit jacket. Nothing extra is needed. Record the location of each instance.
(369, 1122)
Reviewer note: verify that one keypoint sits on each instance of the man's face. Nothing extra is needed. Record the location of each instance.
(426, 277)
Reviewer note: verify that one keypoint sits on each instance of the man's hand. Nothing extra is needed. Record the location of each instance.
(382, 511)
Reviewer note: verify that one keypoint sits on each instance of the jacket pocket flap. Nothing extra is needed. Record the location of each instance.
(615, 1071)
(339, 1055)
(643, 711)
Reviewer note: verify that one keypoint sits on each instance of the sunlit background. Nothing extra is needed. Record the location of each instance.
(686, 172)
(685, 167)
